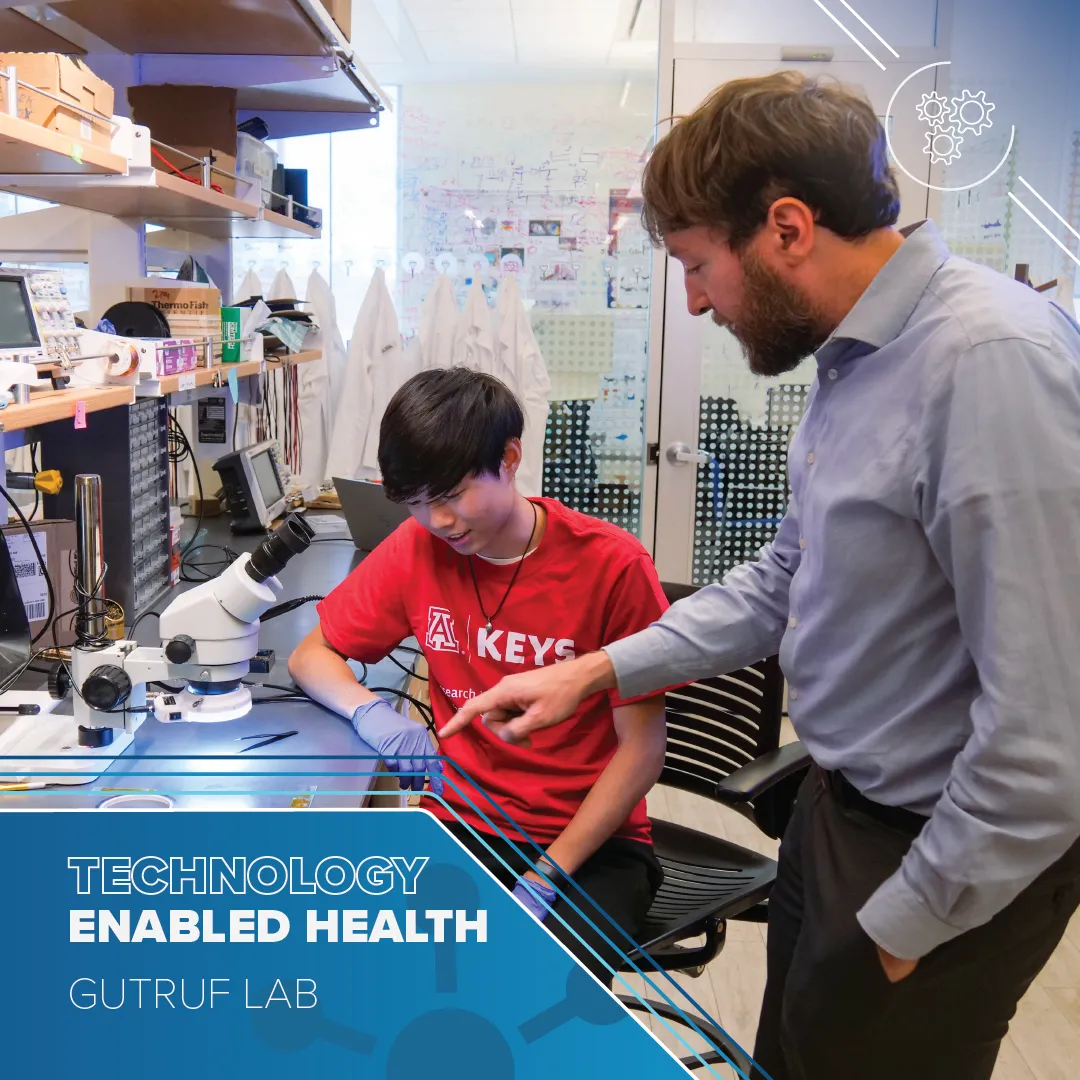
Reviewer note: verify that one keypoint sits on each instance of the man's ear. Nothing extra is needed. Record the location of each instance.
(511, 458)
(788, 233)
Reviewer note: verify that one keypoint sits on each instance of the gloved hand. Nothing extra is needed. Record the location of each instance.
(402, 743)
(535, 897)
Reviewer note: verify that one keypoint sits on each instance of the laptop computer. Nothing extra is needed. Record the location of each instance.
(370, 515)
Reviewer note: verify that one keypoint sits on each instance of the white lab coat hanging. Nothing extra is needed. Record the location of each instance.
(521, 364)
(439, 318)
(374, 366)
(474, 342)
(281, 288)
(249, 287)
(314, 382)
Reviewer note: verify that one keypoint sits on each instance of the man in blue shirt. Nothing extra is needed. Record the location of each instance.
(923, 590)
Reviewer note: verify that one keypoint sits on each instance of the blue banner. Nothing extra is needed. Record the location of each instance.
(226, 944)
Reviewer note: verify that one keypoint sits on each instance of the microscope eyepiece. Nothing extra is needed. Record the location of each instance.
(290, 538)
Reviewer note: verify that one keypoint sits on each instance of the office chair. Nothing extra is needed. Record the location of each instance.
(723, 743)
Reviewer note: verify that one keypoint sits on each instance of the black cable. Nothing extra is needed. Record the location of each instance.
(145, 615)
(14, 676)
(332, 539)
(424, 710)
(408, 649)
(41, 563)
(179, 449)
(408, 671)
(34, 469)
(217, 565)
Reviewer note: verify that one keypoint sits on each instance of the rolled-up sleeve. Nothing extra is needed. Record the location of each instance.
(718, 629)
(1001, 503)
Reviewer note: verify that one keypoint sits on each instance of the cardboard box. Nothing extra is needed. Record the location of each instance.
(187, 115)
(193, 310)
(56, 540)
(341, 12)
(69, 79)
(182, 161)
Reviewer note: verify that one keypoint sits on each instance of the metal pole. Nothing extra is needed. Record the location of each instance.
(89, 558)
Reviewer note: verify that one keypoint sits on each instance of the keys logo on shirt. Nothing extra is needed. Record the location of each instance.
(522, 648)
(441, 634)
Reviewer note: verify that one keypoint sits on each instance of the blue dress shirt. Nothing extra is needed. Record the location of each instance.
(923, 589)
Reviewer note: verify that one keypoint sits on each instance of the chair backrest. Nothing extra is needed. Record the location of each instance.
(720, 723)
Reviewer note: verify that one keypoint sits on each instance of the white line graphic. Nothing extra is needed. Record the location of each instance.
(870, 28)
(1044, 228)
(850, 34)
(1049, 207)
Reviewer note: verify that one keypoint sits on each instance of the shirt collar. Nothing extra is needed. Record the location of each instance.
(885, 307)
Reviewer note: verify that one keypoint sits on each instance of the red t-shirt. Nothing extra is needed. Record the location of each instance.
(587, 584)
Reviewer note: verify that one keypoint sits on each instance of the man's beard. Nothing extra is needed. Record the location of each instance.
(778, 327)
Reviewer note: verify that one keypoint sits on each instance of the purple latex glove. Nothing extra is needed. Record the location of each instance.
(535, 897)
(402, 743)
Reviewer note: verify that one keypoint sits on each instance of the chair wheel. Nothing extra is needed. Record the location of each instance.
(695, 972)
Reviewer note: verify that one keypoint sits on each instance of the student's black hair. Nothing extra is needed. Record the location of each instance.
(443, 426)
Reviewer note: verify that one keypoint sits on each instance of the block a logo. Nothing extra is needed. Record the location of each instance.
(441, 635)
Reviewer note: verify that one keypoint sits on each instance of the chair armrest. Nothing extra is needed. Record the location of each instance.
(750, 781)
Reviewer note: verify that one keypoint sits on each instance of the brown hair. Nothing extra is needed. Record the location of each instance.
(753, 141)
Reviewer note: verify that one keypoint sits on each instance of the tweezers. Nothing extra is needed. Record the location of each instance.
(267, 740)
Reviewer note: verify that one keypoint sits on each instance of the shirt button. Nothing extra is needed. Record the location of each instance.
(793, 693)
(810, 458)
(793, 622)
(802, 542)
(833, 373)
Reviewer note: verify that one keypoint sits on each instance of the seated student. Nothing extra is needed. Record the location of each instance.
(490, 583)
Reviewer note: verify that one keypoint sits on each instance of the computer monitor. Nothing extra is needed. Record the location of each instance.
(254, 492)
(18, 327)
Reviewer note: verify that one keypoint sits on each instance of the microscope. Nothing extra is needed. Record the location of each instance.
(210, 638)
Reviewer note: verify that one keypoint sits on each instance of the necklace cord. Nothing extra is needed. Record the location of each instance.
(517, 570)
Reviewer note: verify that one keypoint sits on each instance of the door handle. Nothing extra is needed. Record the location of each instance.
(680, 454)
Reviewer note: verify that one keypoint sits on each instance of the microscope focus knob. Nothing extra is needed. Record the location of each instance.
(180, 649)
(59, 682)
(106, 687)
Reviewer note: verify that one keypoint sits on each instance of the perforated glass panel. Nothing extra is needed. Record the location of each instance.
(746, 423)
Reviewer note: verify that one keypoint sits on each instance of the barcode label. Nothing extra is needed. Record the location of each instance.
(33, 591)
(37, 610)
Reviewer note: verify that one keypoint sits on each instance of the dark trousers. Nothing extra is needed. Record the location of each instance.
(614, 888)
(829, 1013)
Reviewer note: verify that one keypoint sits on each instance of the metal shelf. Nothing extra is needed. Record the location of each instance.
(273, 226)
(149, 194)
(283, 360)
(31, 148)
(212, 376)
(48, 405)
(252, 27)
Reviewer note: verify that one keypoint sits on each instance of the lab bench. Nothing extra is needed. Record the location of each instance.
(320, 761)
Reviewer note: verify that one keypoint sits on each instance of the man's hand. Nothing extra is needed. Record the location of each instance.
(895, 968)
(533, 700)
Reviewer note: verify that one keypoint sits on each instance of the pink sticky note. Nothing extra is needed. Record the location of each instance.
(80, 415)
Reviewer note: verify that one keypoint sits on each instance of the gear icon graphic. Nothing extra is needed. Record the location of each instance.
(935, 109)
(971, 112)
(943, 145)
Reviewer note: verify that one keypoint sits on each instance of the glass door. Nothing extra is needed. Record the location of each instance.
(723, 432)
